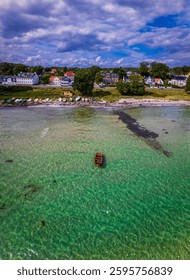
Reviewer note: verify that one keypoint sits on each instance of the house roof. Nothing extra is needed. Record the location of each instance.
(69, 73)
(65, 78)
(51, 79)
(53, 70)
(180, 78)
(157, 80)
(26, 75)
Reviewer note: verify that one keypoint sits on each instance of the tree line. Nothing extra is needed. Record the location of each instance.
(85, 77)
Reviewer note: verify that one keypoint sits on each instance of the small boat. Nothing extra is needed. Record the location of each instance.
(98, 159)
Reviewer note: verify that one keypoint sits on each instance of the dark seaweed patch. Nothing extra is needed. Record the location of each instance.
(135, 127)
(165, 131)
(30, 189)
(141, 131)
(3, 206)
(42, 223)
(9, 161)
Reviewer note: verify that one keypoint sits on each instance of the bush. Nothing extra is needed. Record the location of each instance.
(15, 88)
(100, 93)
(187, 88)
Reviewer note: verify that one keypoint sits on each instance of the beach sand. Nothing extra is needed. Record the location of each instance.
(124, 102)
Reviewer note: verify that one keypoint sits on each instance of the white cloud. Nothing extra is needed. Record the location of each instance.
(90, 29)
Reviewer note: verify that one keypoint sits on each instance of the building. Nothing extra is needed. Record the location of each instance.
(8, 80)
(70, 75)
(55, 80)
(159, 81)
(110, 77)
(67, 93)
(25, 78)
(66, 82)
(149, 81)
(53, 71)
(179, 81)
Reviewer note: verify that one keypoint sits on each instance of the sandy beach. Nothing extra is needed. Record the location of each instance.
(124, 102)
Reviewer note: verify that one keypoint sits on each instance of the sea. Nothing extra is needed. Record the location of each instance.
(55, 204)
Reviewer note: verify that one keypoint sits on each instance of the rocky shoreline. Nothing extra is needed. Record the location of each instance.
(128, 102)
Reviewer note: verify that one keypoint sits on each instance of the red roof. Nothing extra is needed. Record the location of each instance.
(157, 80)
(53, 71)
(70, 73)
(51, 79)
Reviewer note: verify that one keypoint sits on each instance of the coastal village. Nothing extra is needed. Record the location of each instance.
(109, 78)
(104, 80)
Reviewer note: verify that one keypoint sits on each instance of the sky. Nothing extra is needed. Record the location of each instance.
(107, 33)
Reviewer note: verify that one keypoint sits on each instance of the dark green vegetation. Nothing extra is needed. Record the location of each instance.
(84, 80)
(187, 88)
(143, 69)
(13, 69)
(29, 92)
(135, 86)
(159, 70)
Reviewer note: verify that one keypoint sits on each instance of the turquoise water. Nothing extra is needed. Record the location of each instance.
(55, 204)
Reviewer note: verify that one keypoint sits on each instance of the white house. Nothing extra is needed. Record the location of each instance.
(25, 78)
(55, 80)
(159, 81)
(8, 80)
(179, 81)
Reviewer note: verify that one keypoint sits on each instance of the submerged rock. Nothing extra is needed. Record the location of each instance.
(3, 206)
(9, 160)
(42, 223)
(31, 189)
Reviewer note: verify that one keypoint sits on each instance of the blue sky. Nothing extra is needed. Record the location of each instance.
(82, 33)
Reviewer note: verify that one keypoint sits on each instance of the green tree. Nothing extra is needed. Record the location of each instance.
(84, 81)
(187, 87)
(64, 69)
(45, 78)
(93, 70)
(144, 69)
(6, 68)
(136, 85)
(38, 69)
(159, 70)
(19, 68)
(177, 70)
(98, 78)
(185, 69)
(123, 87)
(121, 72)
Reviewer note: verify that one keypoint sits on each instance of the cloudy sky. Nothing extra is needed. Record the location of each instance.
(108, 33)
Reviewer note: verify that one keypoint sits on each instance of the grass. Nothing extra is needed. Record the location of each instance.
(110, 95)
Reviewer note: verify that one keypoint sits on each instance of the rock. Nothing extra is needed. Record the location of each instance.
(42, 223)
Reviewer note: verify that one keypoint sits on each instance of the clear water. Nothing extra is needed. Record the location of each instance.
(56, 204)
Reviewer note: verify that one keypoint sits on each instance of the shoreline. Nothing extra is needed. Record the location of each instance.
(129, 102)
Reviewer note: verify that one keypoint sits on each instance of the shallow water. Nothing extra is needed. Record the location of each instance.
(55, 204)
